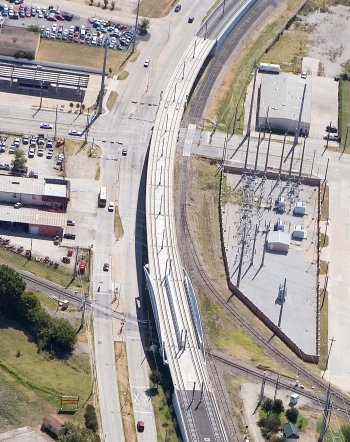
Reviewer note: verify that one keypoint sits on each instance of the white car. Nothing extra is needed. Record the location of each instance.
(46, 126)
(74, 132)
(111, 207)
(146, 63)
(31, 153)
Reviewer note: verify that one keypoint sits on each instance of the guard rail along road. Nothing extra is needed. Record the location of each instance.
(172, 295)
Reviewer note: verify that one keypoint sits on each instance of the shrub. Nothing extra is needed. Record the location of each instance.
(277, 406)
(90, 418)
(292, 415)
(267, 405)
(272, 422)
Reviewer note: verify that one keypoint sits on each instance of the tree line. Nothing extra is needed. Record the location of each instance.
(55, 335)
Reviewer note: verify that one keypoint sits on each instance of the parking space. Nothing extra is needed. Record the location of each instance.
(44, 156)
(59, 25)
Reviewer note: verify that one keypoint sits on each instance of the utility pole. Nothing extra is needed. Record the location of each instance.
(252, 102)
(284, 143)
(302, 157)
(329, 353)
(261, 395)
(83, 310)
(241, 258)
(268, 151)
(312, 165)
(56, 122)
(277, 382)
(325, 414)
(136, 23)
(100, 99)
(41, 94)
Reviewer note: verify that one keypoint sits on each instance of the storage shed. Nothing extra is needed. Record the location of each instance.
(299, 232)
(299, 208)
(290, 431)
(278, 241)
(53, 424)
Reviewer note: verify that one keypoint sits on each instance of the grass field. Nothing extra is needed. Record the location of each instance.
(19, 262)
(344, 115)
(31, 384)
(80, 55)
(230, 96)
(324, 203)
(111, 100)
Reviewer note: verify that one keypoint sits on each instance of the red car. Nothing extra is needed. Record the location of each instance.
(140, 426)
(28, 13)
(51, 18)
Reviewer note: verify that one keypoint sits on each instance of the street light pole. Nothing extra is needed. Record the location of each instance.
(136, 22)
(329, 353)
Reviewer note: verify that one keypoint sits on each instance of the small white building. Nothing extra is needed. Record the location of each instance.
(299, 232)
(278, 241)
(299, 208)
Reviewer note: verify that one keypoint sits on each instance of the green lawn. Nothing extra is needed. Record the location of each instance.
(31, 384)
(344, 114)
(60, 276)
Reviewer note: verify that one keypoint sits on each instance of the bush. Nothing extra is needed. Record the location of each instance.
(24, 54)
(75, 433)
(277, 406)
(90, 418)
(267, 405)
(292, 415)
(345, 429)
(272, 422)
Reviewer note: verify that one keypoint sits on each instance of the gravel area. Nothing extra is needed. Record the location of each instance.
(329, 40)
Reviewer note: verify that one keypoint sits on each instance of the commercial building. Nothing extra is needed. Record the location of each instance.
(280, 101)
(43, 205)
(52, 193)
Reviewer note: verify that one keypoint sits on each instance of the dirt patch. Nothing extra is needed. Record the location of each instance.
(78, 153)
(123, 75)
(124, 391)
(111, 100)
(156, 8)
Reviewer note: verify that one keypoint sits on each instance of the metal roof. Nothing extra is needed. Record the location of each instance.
(278, 236)
(32, 216)
(15, 184)
(281, 97)
(54, 189)
(39, 74)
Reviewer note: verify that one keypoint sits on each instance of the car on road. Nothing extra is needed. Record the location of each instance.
(190, 19)
(140, 426)
(18, 205)
(74, 132)
(331, 128)
(146, 63)
(70, 222)
(332, 137)
(69, 236)
(303, 75)
(177, 8)
(111, 207)
(46, 126)
(124, 152)
(4, 166)
(106, 267)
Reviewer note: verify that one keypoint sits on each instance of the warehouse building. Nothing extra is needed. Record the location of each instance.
(280, 101)
(52, 193)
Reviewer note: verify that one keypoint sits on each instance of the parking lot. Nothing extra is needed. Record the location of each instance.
(58, 25)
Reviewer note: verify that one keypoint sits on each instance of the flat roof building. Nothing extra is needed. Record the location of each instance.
(279, 104)
(49, 192)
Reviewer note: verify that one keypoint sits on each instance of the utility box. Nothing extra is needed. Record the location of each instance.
(299, 208)
(299, 232)
(281, 204)
(294, 399)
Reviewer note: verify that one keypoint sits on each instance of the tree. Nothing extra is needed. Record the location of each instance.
(143, 26)
(277, 406)
(12, 287)
(75, 433)
(267, 405)
(90, 418)
(91, 2)
(71, 105)
(156, 377)
(105, 2)
(292, 415)
(59, 337)
(272, 422)
(19, 160)
(112, 5)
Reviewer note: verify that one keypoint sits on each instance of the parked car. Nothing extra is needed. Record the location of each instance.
(177, 8)
(18, 205)
(146, 63)
(70, 222)
(75, 133)
(124, 152)
(190, 19)
(69, 236)
(332, 137)
(106, 267)
(49, 154)
(331, 128)
(111, 207)
(31, 152)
